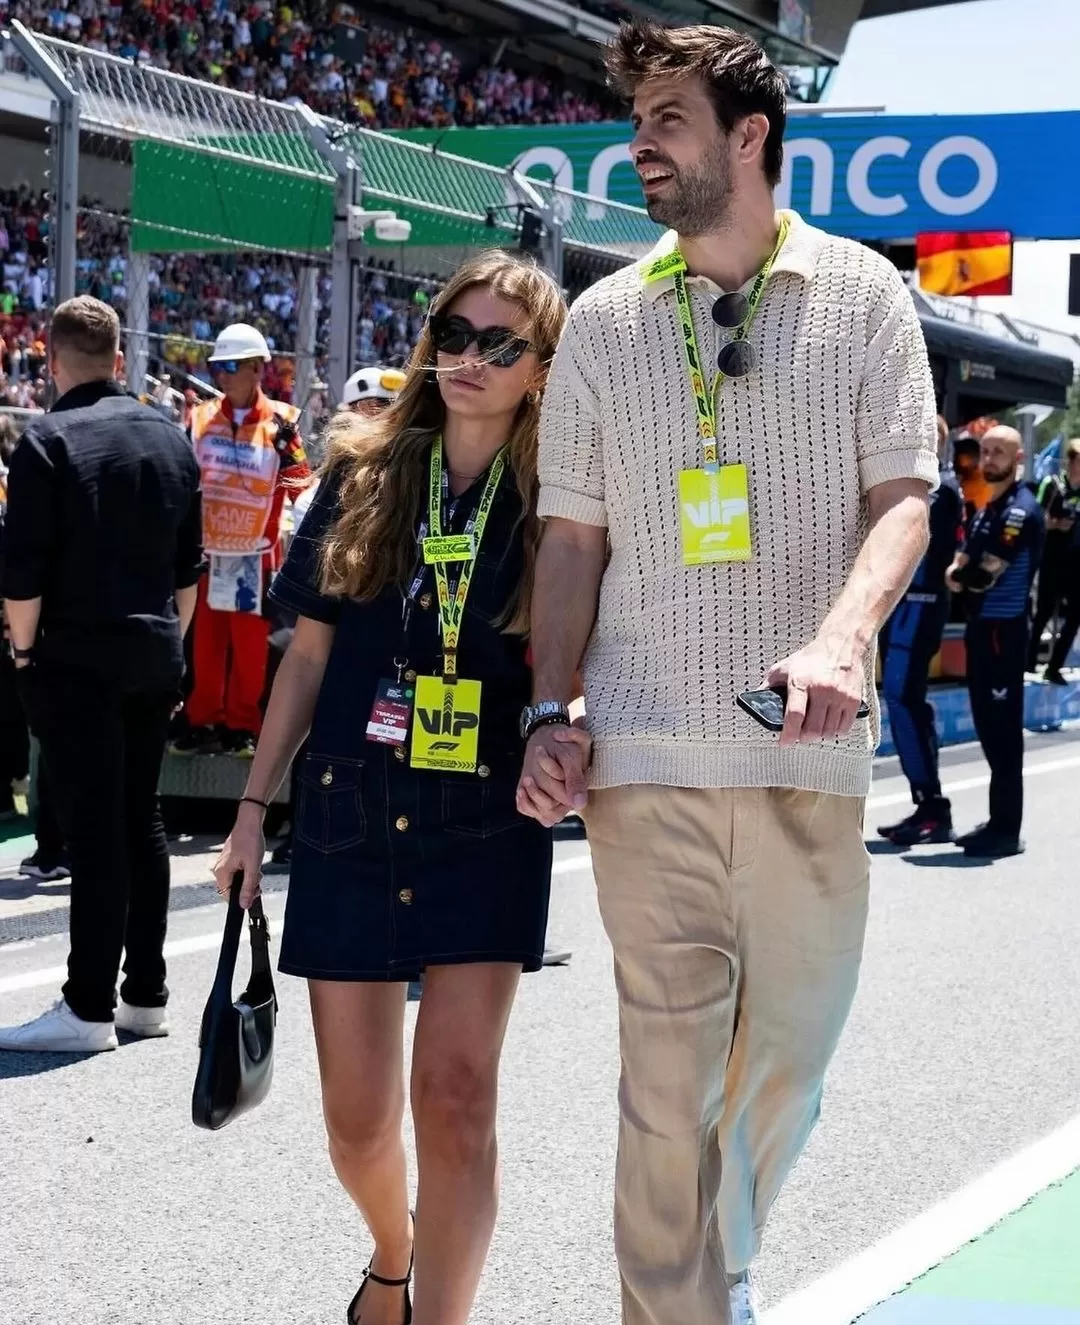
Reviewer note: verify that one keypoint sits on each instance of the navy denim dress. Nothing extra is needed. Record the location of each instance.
(394, 868)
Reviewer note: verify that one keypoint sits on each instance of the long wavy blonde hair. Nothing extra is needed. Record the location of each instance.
(384, 460)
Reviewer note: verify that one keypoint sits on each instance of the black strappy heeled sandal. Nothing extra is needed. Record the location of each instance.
(371, 1277)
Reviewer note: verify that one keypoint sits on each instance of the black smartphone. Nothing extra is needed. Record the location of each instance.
(767, 706)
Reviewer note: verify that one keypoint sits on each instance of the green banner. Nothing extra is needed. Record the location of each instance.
(591, 158)
(186, 201)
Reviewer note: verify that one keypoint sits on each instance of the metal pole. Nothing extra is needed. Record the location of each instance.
(1027, 432)
(307, 316)
(553, 238)
(345, 289)
(65, 160)
(137, 348)
(346, 254)
(547, 208)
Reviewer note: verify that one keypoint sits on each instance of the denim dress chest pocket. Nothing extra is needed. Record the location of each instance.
(330, 813)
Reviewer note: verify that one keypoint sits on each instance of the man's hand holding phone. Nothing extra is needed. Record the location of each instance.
(824, 692)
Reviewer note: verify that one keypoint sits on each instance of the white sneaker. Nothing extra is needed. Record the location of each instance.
(59, 1031)
(744, 1301)
(144, 1022)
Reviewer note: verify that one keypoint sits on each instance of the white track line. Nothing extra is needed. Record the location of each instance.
(859, 1284)
(52, 975)
(10, 984)
(969, 784)
(567, 865)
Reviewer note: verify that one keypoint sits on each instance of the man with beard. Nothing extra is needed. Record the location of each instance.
(710, 532)
(994, 571)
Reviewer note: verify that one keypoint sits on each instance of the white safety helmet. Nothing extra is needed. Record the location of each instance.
(240, 342)
(381, 384)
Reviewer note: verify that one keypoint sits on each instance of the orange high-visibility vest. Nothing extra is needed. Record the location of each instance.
(240, 467)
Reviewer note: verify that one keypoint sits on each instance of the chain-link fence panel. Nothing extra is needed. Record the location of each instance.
(199, 206)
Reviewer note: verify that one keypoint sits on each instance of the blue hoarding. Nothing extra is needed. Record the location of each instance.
(867, 176)
(889, 177)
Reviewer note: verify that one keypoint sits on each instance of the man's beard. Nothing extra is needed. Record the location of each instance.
(697, 200)
(998, 475)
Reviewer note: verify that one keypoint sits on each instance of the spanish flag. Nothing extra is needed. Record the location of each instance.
(967, 262)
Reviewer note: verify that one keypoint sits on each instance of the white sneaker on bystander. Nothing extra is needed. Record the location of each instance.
(143, 1022)
(59, 1031)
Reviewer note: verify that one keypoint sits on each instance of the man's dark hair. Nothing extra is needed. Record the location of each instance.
(740, 78)
(87, 327)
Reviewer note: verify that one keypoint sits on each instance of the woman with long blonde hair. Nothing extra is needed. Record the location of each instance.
(411, 577)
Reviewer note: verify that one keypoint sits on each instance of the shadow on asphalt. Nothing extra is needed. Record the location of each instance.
(954, 860)
(20, 887)
(880, 846)
(14, 1065)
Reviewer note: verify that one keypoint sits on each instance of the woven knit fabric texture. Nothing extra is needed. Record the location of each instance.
(842, 400)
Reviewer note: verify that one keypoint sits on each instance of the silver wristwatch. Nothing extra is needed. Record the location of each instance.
(548, 713)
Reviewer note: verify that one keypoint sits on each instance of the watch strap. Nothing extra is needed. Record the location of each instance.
(549, 720)
(545, 714)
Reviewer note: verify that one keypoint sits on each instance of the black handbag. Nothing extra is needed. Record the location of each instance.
(236, 1039)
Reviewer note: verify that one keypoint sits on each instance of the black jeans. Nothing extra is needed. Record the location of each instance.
(50, 840)
(14, 738)
(995, 675)
(102, 749)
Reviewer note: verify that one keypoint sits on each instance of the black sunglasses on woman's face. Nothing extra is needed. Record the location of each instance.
(501, 346)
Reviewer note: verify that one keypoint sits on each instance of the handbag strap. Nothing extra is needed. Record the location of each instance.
(230, 943)
(259, 935)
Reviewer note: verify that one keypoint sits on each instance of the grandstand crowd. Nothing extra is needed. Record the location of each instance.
(402, 80)
(191, 298)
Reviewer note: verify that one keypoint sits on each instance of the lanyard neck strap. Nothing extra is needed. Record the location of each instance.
(705, 399)
(451, 609)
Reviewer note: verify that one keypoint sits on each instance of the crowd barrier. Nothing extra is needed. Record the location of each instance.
(1046, 708)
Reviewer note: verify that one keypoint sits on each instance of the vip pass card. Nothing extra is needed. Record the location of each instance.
(714, 515)
(446, 729)
(391, 714)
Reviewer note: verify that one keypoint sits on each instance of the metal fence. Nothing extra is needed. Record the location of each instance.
(168, 195)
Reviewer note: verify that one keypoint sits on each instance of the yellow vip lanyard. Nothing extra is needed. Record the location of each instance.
(452, 609)
(674, 264)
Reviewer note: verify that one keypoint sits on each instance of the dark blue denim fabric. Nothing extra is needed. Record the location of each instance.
(396, 868)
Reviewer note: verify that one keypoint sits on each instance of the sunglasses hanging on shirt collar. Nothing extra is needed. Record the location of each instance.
(738, 358)
(734, 312)
(731, 310)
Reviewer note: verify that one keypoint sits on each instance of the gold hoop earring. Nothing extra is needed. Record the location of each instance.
(533, 397)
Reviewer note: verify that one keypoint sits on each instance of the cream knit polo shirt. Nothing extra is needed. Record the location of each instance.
(842, 400)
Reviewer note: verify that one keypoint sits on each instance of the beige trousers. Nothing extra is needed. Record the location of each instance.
(737, 918)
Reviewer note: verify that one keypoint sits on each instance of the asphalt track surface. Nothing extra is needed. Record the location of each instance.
(961, 1050)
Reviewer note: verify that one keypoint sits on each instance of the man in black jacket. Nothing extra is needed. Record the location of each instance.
(102, 557)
